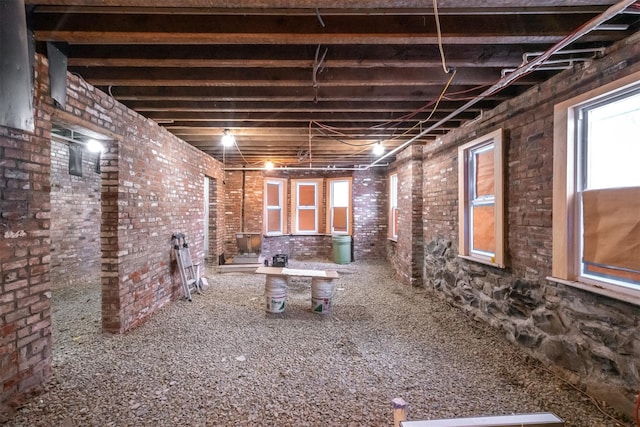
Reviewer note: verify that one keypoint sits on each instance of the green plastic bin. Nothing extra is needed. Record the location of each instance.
(341, 249)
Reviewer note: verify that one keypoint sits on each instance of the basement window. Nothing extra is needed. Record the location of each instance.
(274, 206)
(394, 213)
(480, 199)
(596, 217)
(339, 200)
(306, 201)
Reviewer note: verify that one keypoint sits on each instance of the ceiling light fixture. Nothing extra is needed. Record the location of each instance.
(227, 138)
(95, 146)
(378, 149)
(268, 165)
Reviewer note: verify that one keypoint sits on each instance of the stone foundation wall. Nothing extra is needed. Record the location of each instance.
(591, 340)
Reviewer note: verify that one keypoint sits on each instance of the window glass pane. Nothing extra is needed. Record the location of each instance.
(273, 194)
(484, 182)
(340, 193)
(273, 220)
(610, 190)
(625, 276)
(394, 190)
(613, 144)
(306, 220)
(306, 195)
(340, 219)
(396, 221)
(483, 233)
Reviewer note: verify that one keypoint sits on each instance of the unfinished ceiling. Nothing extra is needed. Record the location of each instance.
(319, 83)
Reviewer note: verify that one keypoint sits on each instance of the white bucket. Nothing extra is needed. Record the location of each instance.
(275, 291)
(321, 294)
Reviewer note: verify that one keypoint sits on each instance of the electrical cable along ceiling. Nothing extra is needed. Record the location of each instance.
(320, 85)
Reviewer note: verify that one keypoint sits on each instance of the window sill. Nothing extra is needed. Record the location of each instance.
(621, 293)
(392, 239)
(482, 261)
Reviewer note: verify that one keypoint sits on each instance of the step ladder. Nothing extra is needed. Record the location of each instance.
(189, 272)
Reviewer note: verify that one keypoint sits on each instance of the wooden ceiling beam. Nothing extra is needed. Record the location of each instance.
(229, 124)
(292, 77)
(300, 30)
(244, 11)
(370, 106)
(319, 116)
(280, 56)
(292, 94)
(258, 5)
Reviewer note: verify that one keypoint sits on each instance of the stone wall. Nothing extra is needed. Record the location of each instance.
(591, 340)
(244, 212)
(152, 184)
(75, 219)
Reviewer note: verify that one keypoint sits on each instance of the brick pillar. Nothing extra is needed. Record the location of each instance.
(111, 310)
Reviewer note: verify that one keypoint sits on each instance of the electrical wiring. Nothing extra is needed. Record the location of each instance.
(365, 144)
(435, 13)
(235, 143)
(91, 95)
(433, 110)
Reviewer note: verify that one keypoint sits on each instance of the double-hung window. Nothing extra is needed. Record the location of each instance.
(596, 226)
(274, 206)
(339, 211)
(306, 202)
(394, 213)
(480, 164)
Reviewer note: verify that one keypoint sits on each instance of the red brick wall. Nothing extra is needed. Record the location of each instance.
(25, 297)
(152, 186)
(243, 211)
(75, 219)
(246, 204)
(370, 206)
(407, 255)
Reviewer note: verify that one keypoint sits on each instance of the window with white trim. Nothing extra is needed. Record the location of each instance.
(394, 213)
(596, 222)
(339, 209)
(480, 199)
(274, 206)
(306, 201)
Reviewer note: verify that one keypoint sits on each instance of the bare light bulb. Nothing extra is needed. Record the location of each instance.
(94, 146)
(378, 149)
(227, 138)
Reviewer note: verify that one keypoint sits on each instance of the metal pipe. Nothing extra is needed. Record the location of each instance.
(527, 55)
(520, 71)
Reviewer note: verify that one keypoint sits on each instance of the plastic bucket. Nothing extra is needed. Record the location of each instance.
(275, 291)
(341, 249)
(321, 295)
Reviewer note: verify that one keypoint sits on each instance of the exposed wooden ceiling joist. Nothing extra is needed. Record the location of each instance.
(292, 76)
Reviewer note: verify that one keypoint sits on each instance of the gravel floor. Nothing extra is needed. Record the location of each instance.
(221, 360)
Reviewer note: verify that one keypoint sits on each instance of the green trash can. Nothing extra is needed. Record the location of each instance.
(341, 249)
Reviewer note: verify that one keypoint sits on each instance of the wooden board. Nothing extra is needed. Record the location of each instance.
(237, 268)
(281, 271)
